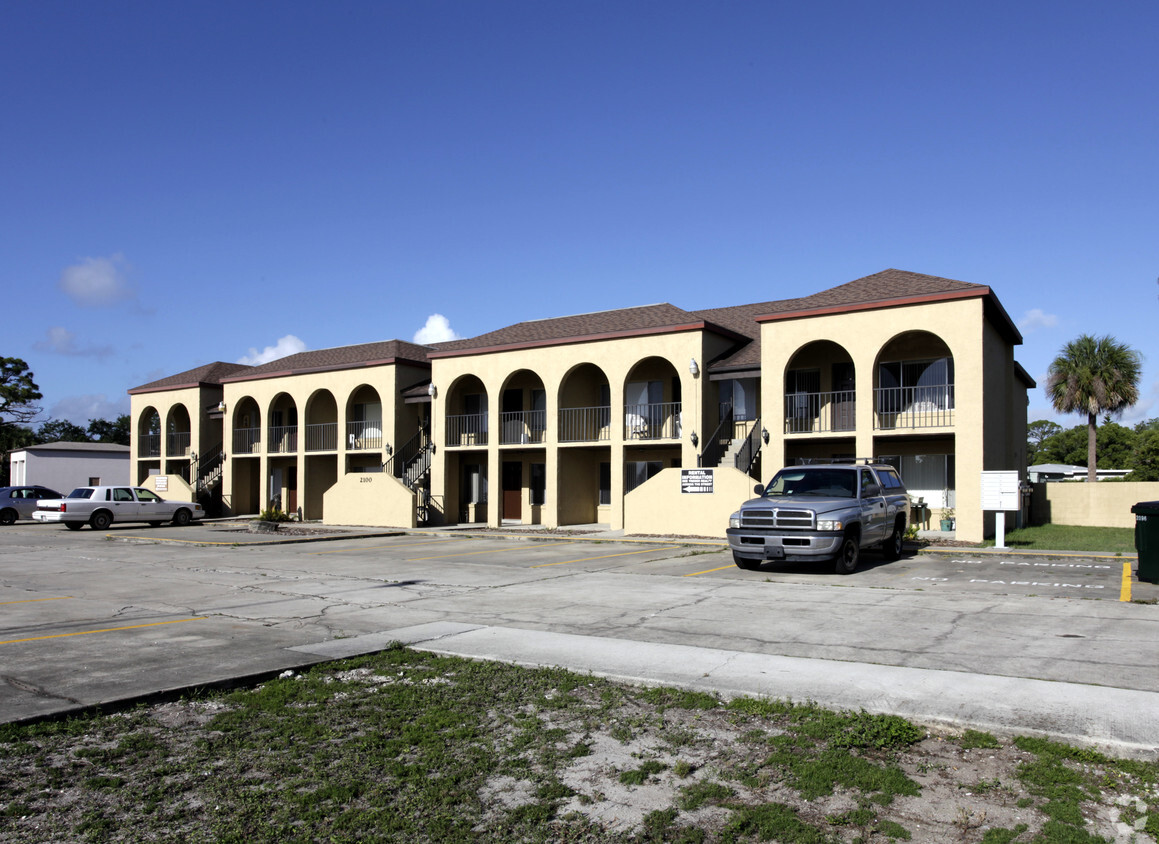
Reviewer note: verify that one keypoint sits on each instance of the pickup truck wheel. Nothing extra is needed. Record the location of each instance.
(181, 517)
(850, 552)
(101, 520)
(744, 562)
(7, 516)
(74, 525)
(891, 548)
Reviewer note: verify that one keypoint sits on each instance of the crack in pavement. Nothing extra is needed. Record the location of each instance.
(32, 688)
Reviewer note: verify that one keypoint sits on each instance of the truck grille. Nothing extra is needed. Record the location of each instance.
(777, 518)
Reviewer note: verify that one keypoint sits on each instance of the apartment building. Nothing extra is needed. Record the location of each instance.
(596, 418)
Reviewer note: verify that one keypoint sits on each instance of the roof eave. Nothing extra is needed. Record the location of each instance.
(590, 338)
(308, 370)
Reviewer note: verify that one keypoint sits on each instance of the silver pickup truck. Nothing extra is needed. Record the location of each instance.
(822, 512)
(100, 506)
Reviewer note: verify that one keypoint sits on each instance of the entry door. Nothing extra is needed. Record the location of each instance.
(292, 489)
(512, 490)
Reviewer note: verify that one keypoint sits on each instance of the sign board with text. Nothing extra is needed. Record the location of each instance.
(696, 481)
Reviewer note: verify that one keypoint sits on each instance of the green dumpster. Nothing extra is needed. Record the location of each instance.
(1147, 539)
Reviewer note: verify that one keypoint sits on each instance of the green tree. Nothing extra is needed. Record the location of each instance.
(1068, 447)
(118, 431)
(1146, 462)
(1093, 375)
(18, 392)
(1115, 445)
(1036, 433)
(61, 431)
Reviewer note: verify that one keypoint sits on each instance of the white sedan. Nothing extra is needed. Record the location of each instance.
(100, 506)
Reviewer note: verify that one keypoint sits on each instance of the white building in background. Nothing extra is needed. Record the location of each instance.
(65, 466)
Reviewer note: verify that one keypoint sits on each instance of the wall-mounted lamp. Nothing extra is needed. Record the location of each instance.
(694, 368)
(765, 435)
(389, 450)
(431, 391)
(221, 406)
(695, 439)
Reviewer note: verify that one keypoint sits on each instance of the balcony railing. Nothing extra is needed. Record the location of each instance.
(322, 436)
(820, 413)
(660, 421)
(585, 424)
(247, 440)
(913, 407)
(523, 426)
(283, 439)
(178, 444)
(149, 445)
(364, 436)
(467, 429)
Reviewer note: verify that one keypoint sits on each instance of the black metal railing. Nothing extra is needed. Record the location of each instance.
(206, 469)
(721, 439)
(746, 457)
(410, 462)
(585, 424)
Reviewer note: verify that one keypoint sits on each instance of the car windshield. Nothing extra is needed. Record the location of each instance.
(828, 483)
(82, 492)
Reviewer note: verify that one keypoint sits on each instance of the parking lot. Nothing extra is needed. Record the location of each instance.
(91, 618)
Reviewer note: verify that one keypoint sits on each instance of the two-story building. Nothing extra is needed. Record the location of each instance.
(586, 419)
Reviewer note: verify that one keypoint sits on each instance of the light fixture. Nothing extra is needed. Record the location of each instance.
(765, 435)
(431, 391)
(695, 439)
(388, 450)
(221, 405)
(694, 368)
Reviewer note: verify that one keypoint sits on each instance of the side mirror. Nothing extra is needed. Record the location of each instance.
(759, 489)
(871, 490)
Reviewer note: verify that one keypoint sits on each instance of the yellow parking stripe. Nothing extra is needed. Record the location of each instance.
(388, 547)
(1125, 589)
(709, 571)
(605, 557)
(36, 600)
(103, 630)
(490, 551)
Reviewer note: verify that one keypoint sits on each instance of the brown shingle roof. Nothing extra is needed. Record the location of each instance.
(624, 322)
(210, 373)
(340, 357)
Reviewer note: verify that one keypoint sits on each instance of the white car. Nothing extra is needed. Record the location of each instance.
(100, 506)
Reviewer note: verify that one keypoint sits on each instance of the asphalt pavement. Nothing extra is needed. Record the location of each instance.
(1058, 644)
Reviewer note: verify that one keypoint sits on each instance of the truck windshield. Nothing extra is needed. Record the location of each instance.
(828, 483)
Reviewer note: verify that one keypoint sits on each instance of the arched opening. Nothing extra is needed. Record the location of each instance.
(247, 427)
(914, 383)
(149, 434)
(820, 390)
(585, 405)
(364, 420)
(178, 432)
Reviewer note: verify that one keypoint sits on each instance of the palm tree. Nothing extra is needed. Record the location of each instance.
(1094, 375)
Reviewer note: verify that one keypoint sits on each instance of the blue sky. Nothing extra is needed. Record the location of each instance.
(184, 183)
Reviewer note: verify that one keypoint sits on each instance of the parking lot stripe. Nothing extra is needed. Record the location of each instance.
(709, 571)
(605, 556)
(389, 547)
(488, 551)
(1125, 589)
(103, 630)
(36, 600)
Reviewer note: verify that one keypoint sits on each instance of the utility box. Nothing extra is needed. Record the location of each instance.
(1147, 539)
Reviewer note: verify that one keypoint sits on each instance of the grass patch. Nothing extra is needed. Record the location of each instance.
(410, 746)
(1070, 538)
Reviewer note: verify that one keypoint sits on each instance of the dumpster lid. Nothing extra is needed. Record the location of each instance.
(1147, 508)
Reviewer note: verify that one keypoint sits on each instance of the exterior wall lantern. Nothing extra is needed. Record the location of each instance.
(694, 368)
(431, 391)
(765, 435)
(695, 439)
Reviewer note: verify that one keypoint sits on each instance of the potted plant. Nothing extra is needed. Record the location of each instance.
(947, 518)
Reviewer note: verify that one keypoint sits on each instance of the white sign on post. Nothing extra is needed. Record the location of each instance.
(1000, 491)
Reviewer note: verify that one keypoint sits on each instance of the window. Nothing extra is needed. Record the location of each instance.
(147, 495)
(474, 484)
(638, 471)
(94, 481)
(538, 482)
(605, 484)
(802, 404)
(923, 383)
(741, 395)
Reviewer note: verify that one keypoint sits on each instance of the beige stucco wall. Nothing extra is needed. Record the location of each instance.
(205, 433)
(961, 325)
(659, 507)
(620, 360)
(176, 489)
(1101, 504)
(370, 498)
(319, 397)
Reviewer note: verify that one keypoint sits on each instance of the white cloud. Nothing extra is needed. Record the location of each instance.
(1037, 318)
(96, 282)
(437, 330)
(80, 410)
(61, 341)
(288, 345)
